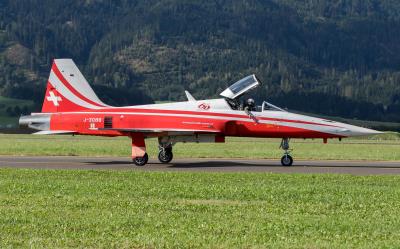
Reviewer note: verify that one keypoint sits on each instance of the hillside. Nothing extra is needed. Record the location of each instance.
(338, 58)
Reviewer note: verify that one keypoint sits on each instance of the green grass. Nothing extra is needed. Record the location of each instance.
(393, 136)
(136, 209)
(376, 125)
(384, 147)
(7, 122)
(10, 102)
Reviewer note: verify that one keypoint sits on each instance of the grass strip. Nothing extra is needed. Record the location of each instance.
(251, 148)
(131, 209)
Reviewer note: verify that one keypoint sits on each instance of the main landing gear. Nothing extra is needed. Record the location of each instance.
(139, 155)
(286, 160)
(165, 154)
(141, 161)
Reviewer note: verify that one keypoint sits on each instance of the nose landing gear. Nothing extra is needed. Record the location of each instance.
(286, 160)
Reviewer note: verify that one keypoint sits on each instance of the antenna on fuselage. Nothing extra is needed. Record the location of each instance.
(189, 96)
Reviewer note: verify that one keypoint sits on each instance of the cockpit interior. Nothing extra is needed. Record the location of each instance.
(234, 93)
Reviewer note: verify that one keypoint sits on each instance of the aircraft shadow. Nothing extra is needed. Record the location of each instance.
(127, 163)
(228, 164)
(232, 164)
(203, 164)
(217, 164)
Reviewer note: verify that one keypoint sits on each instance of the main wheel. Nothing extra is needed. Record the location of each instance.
(165, 156)
(141, 161)
(286, 160)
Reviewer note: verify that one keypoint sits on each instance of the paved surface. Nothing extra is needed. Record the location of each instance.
(218, 165)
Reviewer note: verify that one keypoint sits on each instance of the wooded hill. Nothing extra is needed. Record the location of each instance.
(339, 58)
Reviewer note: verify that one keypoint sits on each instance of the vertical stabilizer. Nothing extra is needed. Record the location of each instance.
(68, 90)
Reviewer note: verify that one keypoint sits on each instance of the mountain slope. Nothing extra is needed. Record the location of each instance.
(340, 58)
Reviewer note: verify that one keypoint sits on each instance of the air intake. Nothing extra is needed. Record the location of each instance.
(108, 123)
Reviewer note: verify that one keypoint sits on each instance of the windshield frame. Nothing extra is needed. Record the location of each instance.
(272, 107)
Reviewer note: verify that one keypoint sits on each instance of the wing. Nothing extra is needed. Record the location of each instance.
(54, 132)
(163, 130)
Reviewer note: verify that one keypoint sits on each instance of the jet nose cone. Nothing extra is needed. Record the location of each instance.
(360, 131)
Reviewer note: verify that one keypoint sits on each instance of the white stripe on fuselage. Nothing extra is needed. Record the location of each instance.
(323, 128)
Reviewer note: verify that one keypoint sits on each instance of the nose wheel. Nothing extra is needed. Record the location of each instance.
(286, 160)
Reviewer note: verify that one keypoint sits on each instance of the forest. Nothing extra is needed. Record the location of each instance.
(332, 57)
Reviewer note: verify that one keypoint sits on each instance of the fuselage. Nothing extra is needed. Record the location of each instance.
(213, 116)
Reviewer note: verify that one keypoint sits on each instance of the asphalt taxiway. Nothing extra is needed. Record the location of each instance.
(212, 165)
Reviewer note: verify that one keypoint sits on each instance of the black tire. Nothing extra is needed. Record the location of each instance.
(287, 160)
(141, 161)
(165, 156)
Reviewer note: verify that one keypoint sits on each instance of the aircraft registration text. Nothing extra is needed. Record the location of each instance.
(92, 120)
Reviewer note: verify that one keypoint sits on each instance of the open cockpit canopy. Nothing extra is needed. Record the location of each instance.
(241, 87)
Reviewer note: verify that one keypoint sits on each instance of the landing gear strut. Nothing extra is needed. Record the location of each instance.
(286, 160)
(139, 155)
(165, 154)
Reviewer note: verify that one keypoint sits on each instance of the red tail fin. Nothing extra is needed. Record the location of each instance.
(68, 90)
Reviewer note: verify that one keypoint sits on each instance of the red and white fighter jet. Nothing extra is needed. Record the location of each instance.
(71, 107)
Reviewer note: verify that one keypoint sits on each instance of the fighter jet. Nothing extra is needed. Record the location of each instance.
(70, 106)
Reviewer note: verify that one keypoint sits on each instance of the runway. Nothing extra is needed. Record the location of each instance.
(202, 165)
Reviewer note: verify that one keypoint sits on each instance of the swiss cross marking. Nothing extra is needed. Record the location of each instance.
(53, 98)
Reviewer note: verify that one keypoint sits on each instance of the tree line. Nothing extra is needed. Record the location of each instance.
(340, 57)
